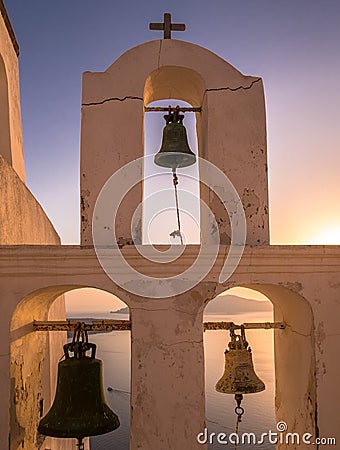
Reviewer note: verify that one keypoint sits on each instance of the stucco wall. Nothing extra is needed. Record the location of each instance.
(167, 337)
(22, 219)
(11, 128)
(34, 364)
(34, 358)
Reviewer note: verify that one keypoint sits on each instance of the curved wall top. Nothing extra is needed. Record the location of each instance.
(231, 128)
(133, 67)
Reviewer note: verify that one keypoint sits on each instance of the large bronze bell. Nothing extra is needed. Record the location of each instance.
(174, 151)
(79, 408)
(239, 376)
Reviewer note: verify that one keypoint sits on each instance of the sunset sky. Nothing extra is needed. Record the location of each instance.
(293, 45)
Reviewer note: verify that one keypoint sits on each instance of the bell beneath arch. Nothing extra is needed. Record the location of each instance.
(174, 151)
(79, 408)
(239, 376)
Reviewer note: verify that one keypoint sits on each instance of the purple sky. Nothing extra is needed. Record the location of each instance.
(293, 45)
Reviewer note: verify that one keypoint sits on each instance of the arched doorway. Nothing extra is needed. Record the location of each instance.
(159, 212)
(114, 349)
(239, 305)
(294, 359)
(34, 359)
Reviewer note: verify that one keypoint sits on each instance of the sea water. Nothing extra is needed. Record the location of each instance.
(259, 417)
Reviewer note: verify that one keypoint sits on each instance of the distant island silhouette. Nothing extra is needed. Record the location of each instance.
(121, 311)
(226, 304)
(233, 304)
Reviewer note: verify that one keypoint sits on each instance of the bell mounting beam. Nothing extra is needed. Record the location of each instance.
(71, 325)
(125, 325)
(167, 26)
(211, 326)
(172, 108)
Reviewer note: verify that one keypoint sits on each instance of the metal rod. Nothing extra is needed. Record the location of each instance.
(71, 325)
(172, 108)
(125, 325)
(80, 444)
(209, 326)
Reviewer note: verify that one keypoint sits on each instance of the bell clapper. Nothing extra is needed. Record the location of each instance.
(178, 231)
(239, 411)
(80, 444)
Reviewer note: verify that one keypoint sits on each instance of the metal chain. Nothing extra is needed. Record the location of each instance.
(178, 231)
(238, 420)
(80, 444)
(239, 411)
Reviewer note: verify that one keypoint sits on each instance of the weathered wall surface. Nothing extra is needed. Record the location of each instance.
(23, 221)
(34, 363)
(11, 146)
(303, 283)
(231, 128)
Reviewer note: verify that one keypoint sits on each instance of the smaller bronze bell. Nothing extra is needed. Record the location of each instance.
(175, 151)
(239, 376)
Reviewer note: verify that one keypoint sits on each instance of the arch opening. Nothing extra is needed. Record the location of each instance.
(35, 357)
(171, 85)
(239, 306)
(289, 376)
(159, 205)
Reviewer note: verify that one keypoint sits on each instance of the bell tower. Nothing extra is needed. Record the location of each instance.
(166, 301)
(231, 128)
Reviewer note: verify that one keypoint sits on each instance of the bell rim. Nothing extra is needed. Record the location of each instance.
(59, 433)
(191, 159)
(238, 392)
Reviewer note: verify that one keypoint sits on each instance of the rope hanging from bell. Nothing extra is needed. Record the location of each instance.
(178, 231)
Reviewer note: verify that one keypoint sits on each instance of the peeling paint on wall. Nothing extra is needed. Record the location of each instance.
(27, 367)
(84, 205)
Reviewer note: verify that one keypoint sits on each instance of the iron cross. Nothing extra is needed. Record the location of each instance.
(167, 26)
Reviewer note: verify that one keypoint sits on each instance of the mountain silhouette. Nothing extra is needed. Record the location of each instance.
(233, 304)
(226, 304)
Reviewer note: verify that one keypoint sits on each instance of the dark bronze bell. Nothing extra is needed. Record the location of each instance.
(79, 408)
(174, 151)
(239, 376)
